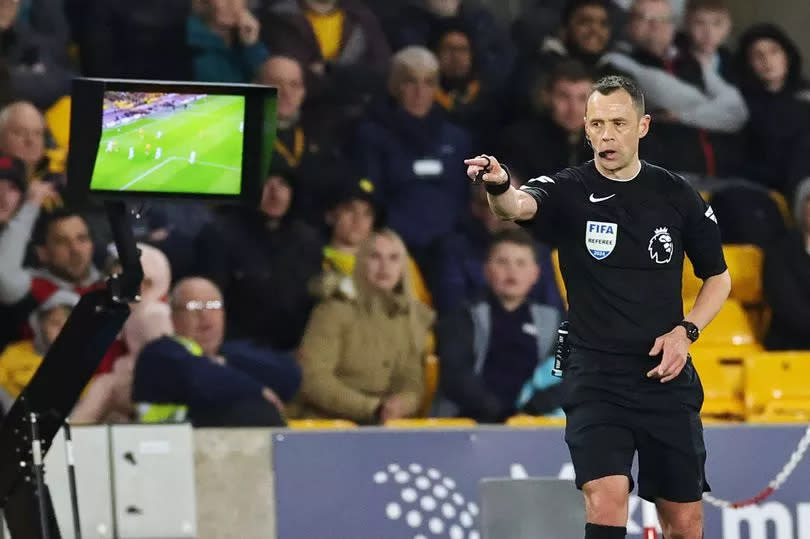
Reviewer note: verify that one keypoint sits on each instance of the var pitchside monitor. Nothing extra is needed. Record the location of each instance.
(156, 139)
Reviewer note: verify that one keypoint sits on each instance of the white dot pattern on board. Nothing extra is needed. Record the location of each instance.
(452, 515)
(401, 477)
(393, 511)
(414, 518)
(409, 495)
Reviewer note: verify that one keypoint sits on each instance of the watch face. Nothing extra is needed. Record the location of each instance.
(691, 331)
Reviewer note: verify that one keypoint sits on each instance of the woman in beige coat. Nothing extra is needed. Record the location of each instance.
(363, 350)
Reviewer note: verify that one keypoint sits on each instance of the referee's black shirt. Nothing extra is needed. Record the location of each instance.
(621, 247)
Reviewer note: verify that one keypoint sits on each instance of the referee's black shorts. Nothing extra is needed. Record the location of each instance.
(614, 411)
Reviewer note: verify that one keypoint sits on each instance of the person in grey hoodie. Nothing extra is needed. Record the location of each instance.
(786, 281)
(492, 347)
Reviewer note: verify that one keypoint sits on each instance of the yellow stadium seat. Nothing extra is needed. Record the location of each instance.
(745, 266)
(431, 423)
(691, 284)
(57, 118)
(558, 278)
(320, 424)
(731, 326)
(535, 421)
(721, 371)
(776, 386)
(431, 374)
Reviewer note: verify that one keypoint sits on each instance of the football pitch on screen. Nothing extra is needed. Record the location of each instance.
(193, 149)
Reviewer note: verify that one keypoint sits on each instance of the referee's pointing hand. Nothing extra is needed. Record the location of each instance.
(493, 172)
(675, 346)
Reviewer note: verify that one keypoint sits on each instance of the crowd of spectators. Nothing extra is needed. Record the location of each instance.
(369, 250)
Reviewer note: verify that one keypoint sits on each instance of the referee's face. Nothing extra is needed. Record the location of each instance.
(614, 127)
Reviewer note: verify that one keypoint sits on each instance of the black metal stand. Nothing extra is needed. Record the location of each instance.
(40, 411)
(71, 468)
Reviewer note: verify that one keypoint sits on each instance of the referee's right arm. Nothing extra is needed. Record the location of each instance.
(505, 201)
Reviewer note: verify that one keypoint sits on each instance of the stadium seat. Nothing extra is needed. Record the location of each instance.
(555, 262)
(320, 424)
(431, 374)
(57, 118)
(691, 284)
(431, 423)
(784, 208)
(722, 373)
(535, 421)
(731, 326)
(776, 386)
(745, 266)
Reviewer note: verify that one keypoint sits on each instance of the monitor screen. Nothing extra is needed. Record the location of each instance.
(173, 143)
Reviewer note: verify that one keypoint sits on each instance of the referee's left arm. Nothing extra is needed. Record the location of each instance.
(704, 247)
(710, 299)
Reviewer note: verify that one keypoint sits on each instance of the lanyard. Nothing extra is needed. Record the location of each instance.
(293, 158)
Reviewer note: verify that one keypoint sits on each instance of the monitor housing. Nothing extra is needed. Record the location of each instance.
(169, 140)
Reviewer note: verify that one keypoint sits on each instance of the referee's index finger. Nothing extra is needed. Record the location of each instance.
(477, 161)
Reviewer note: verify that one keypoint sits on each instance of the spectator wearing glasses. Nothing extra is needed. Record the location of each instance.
(221, 383)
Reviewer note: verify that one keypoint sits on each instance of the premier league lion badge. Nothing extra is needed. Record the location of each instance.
(661, 246)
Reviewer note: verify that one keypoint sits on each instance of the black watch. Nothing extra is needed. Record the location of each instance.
(692, 330)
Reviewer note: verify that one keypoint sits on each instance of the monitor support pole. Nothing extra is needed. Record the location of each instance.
(41, 409)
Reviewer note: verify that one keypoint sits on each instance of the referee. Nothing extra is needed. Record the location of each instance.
(622, 227)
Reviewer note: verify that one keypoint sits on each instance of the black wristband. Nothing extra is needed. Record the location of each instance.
(500, 188)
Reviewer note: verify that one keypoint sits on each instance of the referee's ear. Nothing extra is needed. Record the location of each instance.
(644, 126)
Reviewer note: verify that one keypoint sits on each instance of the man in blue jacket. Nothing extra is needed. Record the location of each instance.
(221, 384)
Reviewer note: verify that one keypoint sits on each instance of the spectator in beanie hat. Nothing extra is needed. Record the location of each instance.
(354, 214)
(263, 260)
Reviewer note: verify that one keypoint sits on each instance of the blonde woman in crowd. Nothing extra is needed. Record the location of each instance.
(363, 349)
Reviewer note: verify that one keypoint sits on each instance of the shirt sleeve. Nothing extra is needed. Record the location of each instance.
(546, 191)
(701, 237)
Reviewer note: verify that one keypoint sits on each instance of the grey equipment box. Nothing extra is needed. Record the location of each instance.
(533, 508)
(153, 481)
